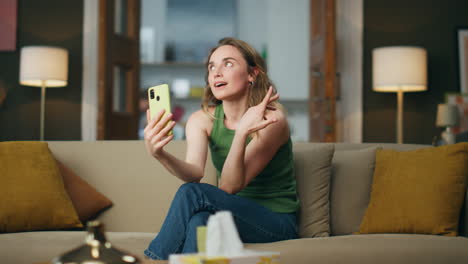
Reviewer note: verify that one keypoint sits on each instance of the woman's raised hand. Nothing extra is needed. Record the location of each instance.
(156, 132)
(255, 118)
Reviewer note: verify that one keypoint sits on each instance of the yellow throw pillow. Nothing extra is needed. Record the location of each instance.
(419, 191)
(32, 193)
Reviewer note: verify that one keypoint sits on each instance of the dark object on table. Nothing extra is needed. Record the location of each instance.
(95, 250)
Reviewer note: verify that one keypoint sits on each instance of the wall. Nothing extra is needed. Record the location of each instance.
(428, 23)
(266, 25)
(349, 34)
(46, 22)
(252, 24)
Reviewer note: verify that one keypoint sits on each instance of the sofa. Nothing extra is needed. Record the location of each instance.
(141, 191)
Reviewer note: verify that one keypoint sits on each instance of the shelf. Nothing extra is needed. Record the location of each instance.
(188, 99)
(285, 102)
(173, 64)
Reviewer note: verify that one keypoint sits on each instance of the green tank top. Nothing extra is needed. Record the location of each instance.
(275, 186)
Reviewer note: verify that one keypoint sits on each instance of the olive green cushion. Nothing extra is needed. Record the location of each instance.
(419, 191)
(32, 193)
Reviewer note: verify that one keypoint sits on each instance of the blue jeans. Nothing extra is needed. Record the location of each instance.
(195, 202)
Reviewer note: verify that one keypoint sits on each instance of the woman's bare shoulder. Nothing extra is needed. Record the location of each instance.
(201, 119)
(201, 116)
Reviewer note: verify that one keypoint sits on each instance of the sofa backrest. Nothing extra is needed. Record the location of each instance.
(347, 187)
(142, 189)
(350, 184)
(352, 174)
(138, 185)
(351, 181)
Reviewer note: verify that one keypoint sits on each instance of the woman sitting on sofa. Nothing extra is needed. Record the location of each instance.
(248, 135)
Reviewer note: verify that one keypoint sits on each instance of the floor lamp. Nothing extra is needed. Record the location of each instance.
(42, 66)
(399, 69)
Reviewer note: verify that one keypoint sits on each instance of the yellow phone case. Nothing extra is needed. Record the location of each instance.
(159, 98)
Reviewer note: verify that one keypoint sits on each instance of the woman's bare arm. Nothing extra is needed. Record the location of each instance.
(244, 163)
(190, 170)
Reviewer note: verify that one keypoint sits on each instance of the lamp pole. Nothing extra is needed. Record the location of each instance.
(399, 125)
(43, 88)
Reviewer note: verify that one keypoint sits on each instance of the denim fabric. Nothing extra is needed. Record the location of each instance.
(195, 202)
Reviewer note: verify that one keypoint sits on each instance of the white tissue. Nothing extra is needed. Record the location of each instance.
(222, 238)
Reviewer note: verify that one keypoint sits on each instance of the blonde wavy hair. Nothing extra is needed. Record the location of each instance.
(257, 90)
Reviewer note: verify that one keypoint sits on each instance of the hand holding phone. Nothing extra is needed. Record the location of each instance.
(159, 98)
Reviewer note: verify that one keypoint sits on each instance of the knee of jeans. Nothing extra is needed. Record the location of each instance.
(186, 189)
(199, 219)
(191, 189)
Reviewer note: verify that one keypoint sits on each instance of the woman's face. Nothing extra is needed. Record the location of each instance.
(227, 73)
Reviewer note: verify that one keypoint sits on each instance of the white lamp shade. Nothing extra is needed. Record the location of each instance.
(399, 68)
(447, 115)
(41, 64)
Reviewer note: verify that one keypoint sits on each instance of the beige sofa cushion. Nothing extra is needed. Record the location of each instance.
(40, 247)
(359, 249)
(138, 185)
(371, 249)
(313, 172)
(351, 182)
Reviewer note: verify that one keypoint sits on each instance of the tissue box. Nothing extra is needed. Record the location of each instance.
(249, 257)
